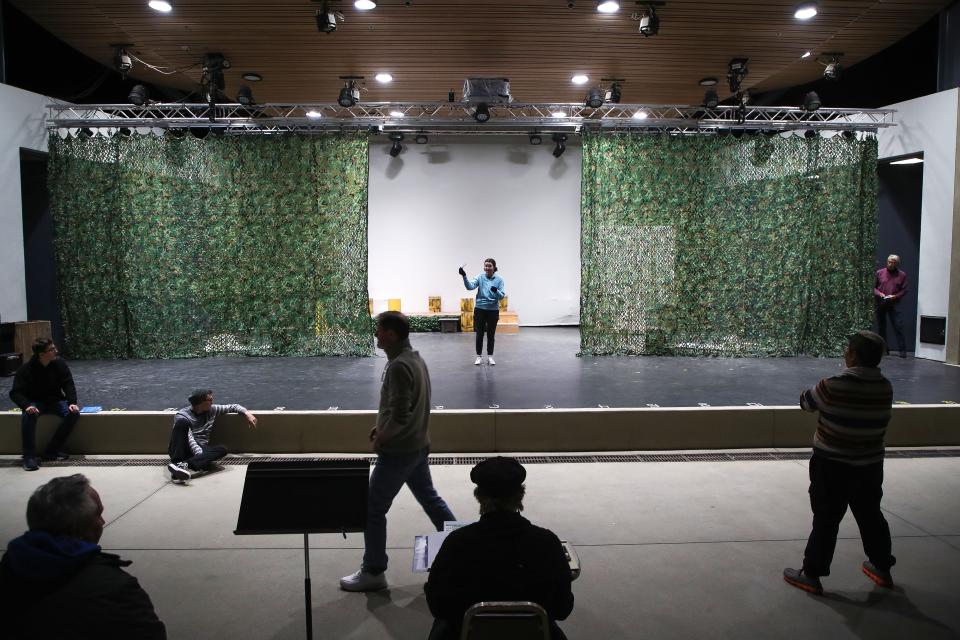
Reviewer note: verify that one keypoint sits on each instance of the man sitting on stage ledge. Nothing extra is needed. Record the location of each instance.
(190, 448)
(503, 557)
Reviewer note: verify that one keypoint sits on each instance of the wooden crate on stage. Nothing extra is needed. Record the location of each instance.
(24, 333)
(509, 322)
(503, 303)
(433, 304)
(466, 314)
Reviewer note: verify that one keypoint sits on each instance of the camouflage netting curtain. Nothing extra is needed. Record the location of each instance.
(179, 247)
(726, 246)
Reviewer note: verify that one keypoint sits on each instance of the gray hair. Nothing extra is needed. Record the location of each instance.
(63, 506)
(893, 256)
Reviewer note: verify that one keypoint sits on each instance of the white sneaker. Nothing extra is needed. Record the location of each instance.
(363, 581)
(490, 361)
(179, 472)
(479, 360)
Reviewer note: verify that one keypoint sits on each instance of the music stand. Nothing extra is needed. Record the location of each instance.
(304, 496)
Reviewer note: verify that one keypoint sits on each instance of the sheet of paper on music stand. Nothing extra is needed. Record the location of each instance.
(426, 548)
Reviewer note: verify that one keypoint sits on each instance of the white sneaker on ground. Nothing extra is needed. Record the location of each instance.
(179, 472)
(479, 360)
(490, 361)
(363, 581)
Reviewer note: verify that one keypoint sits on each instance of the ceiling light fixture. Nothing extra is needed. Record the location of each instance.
(397, 114)
(708, 82)
(805, 11)
(811, 101)
(805, 55)
(535, 138)
(252, 76)
(595, 98)
(607, 6)
(579, 79)
(640, 115)
(481, 113)
(558, 114)
(313, 113)
(364, 5)
(383, 77)
(908, 161)
(160, 5)
(560, 146)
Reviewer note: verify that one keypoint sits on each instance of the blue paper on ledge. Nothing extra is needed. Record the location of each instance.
(93, 409)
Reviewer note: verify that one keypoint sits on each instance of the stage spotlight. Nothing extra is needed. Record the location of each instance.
(833, 69)
(421, 138)
(711, 99)
(481, 113)
(809, 134)
(396, 147)
(811, 101)
(848, 135)
(124, 132)
(350, 93)
(535, 138)
(138, 95)
(326, 19)
(560, 146)
(737, 70)
(613, 95)
(245, 96)
(199, 132)
(650, 23)
(595, 98)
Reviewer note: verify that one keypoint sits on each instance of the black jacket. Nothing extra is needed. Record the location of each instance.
(56, 587)
(501, 557)
(45, 384)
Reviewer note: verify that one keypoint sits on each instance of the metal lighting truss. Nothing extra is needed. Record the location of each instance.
(456, 118)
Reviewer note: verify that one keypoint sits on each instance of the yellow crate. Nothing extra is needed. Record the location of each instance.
(433, 304)
(503, 303)
(466, 321)
(393, 304)
(466, 305)
(370, 305)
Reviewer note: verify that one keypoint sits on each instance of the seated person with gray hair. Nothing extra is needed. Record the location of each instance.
(56, 582)
(191, 453)
(503, 557)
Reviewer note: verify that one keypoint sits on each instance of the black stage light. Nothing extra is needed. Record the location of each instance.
(535, 138)
(349, 95)
(613, 95)
(138, 95)
(711, 99)
(451, 97)
(809, 133)
(125, 132)
(848, 135)
(245, 96)
(559, 140)
(833, 68)
(199, 132)
(650, 23)
(421, 138)
(396, 147)
(594, 98)
(737, 70)
(326, 19)
(811, 101)
(482, 112)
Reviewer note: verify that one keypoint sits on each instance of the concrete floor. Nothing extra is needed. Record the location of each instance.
(669, 550)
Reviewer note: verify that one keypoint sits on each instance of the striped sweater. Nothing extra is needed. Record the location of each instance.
(854, 409)
(199, 427)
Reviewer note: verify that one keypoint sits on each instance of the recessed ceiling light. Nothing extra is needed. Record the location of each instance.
(383, 77)
(160, 5)
(313, 113)
(608, 6)
(708, 82)
(908, 161)
(365, 5)
(579, 79)
(805, 55)
(396, 114)
(640, 115)
(805, 11)
(252, 76)
(558, 114)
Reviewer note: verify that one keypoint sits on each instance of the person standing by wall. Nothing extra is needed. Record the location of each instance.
(486, 312)
(890, 287)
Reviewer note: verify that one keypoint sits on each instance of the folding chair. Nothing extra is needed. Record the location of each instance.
(505, 621)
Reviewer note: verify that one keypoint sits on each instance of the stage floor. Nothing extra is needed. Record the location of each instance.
(536, 369)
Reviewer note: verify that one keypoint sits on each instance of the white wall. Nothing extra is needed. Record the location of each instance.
(929, 124)
(463, 199)
(22, 124)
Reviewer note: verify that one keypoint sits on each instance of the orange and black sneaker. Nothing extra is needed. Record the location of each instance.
(798, 579)
(882, 578)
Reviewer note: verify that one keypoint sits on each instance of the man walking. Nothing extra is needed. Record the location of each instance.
(846, 468)
(890, 287)
(44, 384)
(401, 441)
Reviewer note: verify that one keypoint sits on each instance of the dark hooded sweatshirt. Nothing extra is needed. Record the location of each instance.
(59, 587)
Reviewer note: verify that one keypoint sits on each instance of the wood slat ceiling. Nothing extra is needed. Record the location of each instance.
(430, 46)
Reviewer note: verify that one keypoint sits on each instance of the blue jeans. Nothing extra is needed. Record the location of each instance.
(391, 472)
(28, 427)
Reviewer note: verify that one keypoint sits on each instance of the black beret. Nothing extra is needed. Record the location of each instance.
(498, 476)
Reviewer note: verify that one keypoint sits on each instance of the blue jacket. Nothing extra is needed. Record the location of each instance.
(486, 299)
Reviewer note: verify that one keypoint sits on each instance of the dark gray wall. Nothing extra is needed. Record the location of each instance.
(948, 75)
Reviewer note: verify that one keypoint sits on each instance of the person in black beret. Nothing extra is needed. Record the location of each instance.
(503, 557)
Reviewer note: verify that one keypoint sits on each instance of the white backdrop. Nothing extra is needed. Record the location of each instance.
(463, 199)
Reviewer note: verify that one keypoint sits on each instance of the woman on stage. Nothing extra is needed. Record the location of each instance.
(486, 312)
